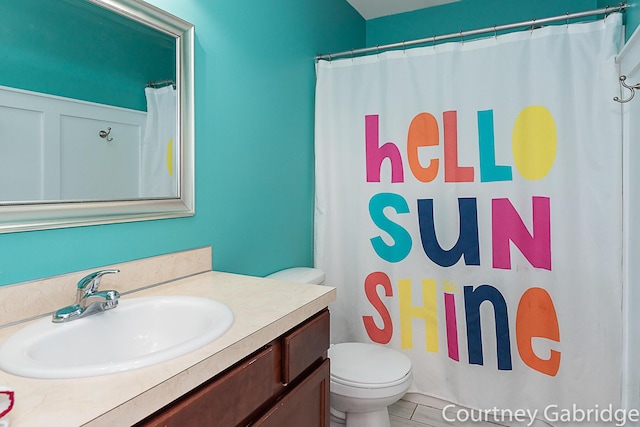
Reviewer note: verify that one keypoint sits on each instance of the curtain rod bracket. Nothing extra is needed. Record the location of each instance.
(632, 88)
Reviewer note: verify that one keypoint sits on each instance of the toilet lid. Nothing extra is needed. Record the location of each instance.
(367, 363)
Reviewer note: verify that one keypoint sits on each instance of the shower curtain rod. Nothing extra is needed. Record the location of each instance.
(160, 83)
(462, 34)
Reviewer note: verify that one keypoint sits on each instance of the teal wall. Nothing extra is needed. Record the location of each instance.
(79, 50)
(474, 14)
(255, 81)
(633, 17)
(254, 132)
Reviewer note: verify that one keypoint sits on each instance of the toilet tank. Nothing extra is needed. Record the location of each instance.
(312, 276)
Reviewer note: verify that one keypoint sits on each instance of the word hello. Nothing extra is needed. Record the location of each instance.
(533, 148)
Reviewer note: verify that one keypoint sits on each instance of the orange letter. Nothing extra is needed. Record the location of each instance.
(536, 318)
(379, 335)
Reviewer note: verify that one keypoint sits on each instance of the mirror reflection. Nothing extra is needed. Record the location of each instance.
(88, 105)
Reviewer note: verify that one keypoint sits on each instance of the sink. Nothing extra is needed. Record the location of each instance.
(139, 332)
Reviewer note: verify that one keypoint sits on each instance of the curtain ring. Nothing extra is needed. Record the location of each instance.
(377, 50)
(533, 25)
(404, 48)
(434, 42)
(567, 20)
(351, 54)
(330, 58)
(495, 32)
(461, 37)
(605, 12)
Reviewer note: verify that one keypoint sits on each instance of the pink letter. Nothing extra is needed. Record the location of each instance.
(375, 154)
(452, 325)
(508, 226)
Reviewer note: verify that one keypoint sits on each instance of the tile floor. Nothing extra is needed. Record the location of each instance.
(408, 414)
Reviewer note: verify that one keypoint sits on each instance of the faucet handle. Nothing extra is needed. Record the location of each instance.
(89, 283)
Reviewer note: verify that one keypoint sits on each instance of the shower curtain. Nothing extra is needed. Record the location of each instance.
(468, 210)
(158, 150)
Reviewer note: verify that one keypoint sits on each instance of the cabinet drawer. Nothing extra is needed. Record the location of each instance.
(227, 400)
(304, 345)
(307, 404)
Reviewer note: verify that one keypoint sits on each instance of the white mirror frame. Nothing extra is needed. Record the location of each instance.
(41, 216)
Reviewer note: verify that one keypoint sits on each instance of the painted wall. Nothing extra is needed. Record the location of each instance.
(254, 132)
(633, 17)
(79, 50)
(474, 14)
(255, 82)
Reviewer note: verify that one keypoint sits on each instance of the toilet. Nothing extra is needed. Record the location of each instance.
(365, 378)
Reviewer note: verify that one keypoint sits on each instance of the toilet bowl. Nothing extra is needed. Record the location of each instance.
(365, 378)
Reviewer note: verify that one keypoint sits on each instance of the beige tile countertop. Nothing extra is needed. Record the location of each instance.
(263, 309)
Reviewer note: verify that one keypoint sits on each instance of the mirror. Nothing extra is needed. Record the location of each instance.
(96, 114)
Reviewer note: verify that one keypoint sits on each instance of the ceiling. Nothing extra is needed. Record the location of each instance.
(370, 9)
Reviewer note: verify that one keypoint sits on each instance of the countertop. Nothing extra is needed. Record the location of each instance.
(264, 309)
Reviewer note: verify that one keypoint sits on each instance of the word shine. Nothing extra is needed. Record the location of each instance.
(535, 319)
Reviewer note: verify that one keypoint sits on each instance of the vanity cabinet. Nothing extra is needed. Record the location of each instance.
(285, 383)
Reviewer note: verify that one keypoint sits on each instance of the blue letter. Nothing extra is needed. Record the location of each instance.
(472, 301)
(486, 142)
(468, 243)
(401, 237)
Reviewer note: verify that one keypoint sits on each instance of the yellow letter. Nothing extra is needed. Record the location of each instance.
(428, 312)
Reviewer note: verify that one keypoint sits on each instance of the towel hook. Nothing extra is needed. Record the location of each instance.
(105, 134)
(632, 88)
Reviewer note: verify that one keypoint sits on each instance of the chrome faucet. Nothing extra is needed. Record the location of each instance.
(88, 299)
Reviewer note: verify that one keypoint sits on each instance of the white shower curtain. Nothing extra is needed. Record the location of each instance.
(468, 210)
(158, 151)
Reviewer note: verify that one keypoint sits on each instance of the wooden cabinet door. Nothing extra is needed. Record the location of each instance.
(307, 404)
(304, 346)
(228, 401)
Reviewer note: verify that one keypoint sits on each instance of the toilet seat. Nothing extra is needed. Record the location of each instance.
(365, 391)
(368, 366)
(367, 385)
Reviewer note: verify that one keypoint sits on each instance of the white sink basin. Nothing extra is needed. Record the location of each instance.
(139, 332)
